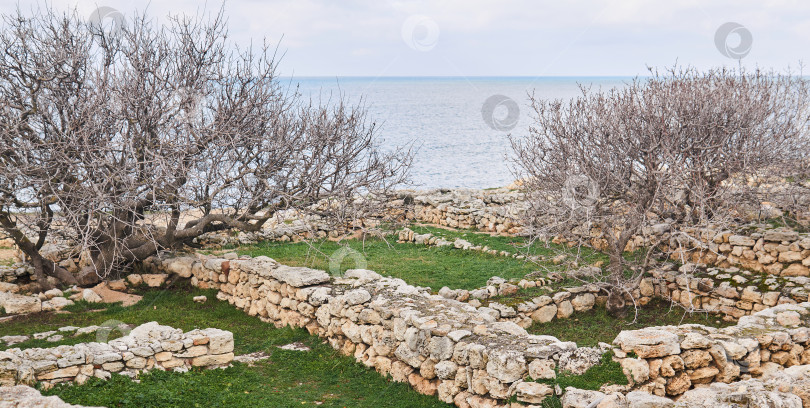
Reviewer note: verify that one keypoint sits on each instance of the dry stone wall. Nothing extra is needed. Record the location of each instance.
(775, 251)
(443, 347)
(671, 360)
(730, 292)
(478, 356)
(148, 346)
(496, 210)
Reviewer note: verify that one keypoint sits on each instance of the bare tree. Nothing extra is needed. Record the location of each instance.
(672, 150)
(133, 140)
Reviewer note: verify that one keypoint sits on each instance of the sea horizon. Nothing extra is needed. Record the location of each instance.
(444, 116)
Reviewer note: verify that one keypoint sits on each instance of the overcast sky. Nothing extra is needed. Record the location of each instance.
(501, 38)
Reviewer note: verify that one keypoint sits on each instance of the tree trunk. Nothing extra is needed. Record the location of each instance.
(43, 267)
(616, 305)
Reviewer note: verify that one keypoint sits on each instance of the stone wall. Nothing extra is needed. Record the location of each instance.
(148, 346)
(443, 347)
(496, 210)
(776, 251)
(671, 360)
(730, 292)
(479, 356)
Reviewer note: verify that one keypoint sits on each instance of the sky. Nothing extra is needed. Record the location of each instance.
(499, 38)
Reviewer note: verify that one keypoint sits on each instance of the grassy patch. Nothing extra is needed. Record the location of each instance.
(514, 244)
(596, 325)
(81, 305)
(416, 264)
(319, 377)
(287, 379)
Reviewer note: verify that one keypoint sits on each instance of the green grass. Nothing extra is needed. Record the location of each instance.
(596, 325)
(418, 265)
(512, 244)
(286, 379)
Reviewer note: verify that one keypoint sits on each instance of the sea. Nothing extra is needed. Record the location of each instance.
(458, 126)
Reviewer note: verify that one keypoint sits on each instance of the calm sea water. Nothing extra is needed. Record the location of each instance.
(443, 118)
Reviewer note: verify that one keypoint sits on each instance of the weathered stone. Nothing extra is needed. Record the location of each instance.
(180, 266)
(583, 302)
(695, 341)
(741, 240)
(544, 314)
(576, 398)
(440, 348)
(357, 296)
(564, 309)
(796, 269)
(640, 399)
(299, 276)
(66, 372)
(507, 366)
(678, 384)
(780, 235)
(23, 396)
(446, 370)
(703, 375)
(648, 343)
(636, 369)
(154, 280)
(542, 369)
(18, 304)
(211, 360)
(532, 392)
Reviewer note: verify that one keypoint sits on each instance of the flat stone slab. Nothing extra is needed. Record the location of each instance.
(22, 396)
(299, 276)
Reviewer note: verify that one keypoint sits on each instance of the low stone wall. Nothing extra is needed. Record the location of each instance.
(476, 357)
(775, 251)
(428, 239)
(671, 360)
(148, 346)
(729, 292)
(440, 346)
(496, 210)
